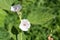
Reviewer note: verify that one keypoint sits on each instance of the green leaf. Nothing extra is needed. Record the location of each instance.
(21, 36)
(11, 34)
(58, 18)
(6, 4)
(2, 17)
(4, 35)
(40, 15)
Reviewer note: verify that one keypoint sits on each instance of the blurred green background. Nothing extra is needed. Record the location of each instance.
(44, 16)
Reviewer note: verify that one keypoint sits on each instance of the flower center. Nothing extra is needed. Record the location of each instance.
(15, 8)
(24, 24)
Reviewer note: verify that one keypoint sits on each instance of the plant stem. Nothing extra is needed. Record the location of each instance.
(16, 37)
(20, 15)
(21, 35)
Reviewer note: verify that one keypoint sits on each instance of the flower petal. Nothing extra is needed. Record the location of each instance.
(16, 8)
(24, 25)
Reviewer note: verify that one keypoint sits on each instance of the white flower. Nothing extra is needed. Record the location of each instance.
(16, 8)
(24, 25)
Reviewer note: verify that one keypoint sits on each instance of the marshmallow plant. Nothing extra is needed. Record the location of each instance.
(25, 24)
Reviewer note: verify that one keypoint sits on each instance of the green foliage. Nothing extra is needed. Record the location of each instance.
(4, 35)
(40, 17)
(44, 16)
(6, 4)
(2, 17)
